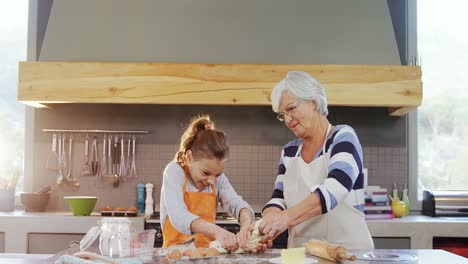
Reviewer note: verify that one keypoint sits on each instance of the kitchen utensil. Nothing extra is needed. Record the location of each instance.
(133, 172)
(45, 189)
(109, 156)
(81, 205)
(60, 179)
(109, 176)
(328, 251)
(142, 245)
(111, 227)
(385, 257)
(128, 162)
(122, 168)
(89, 238)
(52, 159)
(35, 202)
(86, 169)
(103, 166)
(73, 247)
(94, 158)
(119, 239)
(71, 181)
(64, 156)
(115, 165)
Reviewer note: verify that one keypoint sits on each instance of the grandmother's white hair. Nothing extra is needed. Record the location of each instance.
(301, 85)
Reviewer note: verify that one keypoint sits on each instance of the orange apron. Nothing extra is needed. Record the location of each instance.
(198, 203)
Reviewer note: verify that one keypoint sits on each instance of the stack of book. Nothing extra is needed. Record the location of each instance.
(377, 205)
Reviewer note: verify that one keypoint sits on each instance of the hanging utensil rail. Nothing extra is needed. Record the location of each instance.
(96, 131)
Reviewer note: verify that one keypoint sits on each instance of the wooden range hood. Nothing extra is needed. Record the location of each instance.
(396, 87)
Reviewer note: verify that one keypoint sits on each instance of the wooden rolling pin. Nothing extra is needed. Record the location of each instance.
(328, 251)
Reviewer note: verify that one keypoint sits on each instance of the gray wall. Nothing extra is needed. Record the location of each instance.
(221, 31)
(266, 31)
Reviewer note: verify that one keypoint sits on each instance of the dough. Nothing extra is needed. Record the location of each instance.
(251, 244)
(211, 252)
(217, 245)
(255, 237)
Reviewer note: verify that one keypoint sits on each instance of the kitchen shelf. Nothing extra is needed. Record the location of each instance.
(396, 87)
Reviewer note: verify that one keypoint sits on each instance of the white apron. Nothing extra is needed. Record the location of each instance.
(344, 225)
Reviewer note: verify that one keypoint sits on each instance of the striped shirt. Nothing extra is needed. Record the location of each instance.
(345, 180)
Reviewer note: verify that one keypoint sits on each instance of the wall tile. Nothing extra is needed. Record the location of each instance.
(253, 160)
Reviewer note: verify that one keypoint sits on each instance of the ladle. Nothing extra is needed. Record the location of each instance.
(61, 180)
(72, 182)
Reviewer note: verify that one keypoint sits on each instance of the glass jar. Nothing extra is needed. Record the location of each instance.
(115, 236)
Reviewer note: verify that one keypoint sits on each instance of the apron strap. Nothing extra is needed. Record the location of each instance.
(323, 146)
(298, 151)
(325, 141)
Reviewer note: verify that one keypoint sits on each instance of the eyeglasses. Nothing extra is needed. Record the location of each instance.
(281, 115)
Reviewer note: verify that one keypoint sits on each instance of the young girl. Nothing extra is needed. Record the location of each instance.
(193, 184)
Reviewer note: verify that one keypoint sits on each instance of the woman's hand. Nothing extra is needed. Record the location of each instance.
(227, 239)
(263, 245)
(273, 224)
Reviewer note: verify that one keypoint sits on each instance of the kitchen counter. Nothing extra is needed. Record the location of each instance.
(423, 257)
(17, 225)
(420, 229)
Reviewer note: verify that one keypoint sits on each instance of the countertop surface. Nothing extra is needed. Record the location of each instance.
(412, 219)
(22, 213)
(418, 256)
(16, 226)
(419, 229)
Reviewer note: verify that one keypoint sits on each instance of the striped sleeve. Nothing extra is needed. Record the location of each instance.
(277, 197)
(344, 169)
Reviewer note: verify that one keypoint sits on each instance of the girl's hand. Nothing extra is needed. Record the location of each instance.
(244, 235)
(227, 239)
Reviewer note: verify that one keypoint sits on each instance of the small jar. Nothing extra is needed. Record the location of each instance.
(115, 237)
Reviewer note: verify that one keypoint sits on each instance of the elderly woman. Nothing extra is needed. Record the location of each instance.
(319, 190)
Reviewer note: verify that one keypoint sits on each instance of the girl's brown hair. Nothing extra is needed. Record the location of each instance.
(203, 140)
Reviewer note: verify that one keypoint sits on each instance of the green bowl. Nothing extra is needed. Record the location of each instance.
(81, 205)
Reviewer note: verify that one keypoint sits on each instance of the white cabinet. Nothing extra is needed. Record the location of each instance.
(46, 243)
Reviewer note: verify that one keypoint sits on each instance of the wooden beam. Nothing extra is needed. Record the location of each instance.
(35, 104)
(396, 111)
(211, 84)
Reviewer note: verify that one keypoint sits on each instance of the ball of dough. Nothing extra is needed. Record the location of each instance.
(202, 251)
(196, 254)
(217, 245)
(256, 236)
(211, 252)
(187, 252)
(174, 254)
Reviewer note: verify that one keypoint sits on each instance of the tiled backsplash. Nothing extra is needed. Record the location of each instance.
(256, 141)
(251, 169)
